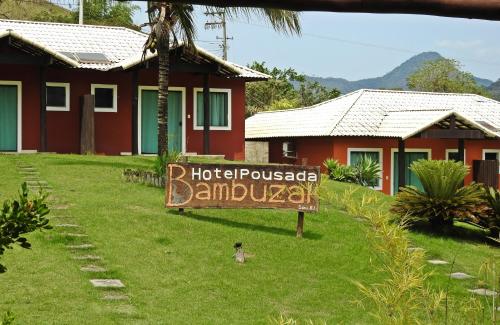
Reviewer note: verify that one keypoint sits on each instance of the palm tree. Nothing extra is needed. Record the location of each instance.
(173, 22)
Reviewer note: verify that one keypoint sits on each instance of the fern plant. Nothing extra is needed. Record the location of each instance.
(443, 198)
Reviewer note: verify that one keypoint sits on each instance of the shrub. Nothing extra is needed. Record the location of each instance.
(443, 198)
(366, 172)
(20, 217)
(492, 219)
(162, 161)
(339, 172)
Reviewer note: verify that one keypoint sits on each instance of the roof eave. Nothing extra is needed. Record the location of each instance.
(55, 54)
(448, 114)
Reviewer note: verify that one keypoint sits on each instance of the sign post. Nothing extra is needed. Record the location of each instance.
(191, 185)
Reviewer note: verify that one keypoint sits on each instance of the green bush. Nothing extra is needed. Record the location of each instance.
(443, 198)
(339, 172)
(365, 172)
(491, 220)
(19, 217)
(162, 161)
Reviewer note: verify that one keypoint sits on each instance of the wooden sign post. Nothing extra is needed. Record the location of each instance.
(198, 186)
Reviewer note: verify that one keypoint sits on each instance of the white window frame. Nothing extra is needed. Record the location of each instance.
(19, 85)
(393, 150)
(447, 151)
(229, 109)
(114, 109)
(380, 152)
(497, 151)
(66, 86)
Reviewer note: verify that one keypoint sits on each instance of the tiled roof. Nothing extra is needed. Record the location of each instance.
(381, 113)
(121, 46)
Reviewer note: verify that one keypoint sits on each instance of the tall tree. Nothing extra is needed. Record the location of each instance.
(286, 89)
(106, 12)
(174, 21)
(444, 75)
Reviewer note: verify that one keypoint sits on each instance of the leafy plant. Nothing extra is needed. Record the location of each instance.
(162, 161)
(339, 172)
(443, 198)
(366, 172)
(19, 217)
(403, 297)
(492, 219)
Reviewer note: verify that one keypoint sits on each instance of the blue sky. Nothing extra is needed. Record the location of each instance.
(355, 46)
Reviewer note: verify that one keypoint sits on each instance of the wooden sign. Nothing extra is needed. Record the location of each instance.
(192, 185)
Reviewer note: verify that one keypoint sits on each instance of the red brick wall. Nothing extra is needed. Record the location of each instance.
(113, 131)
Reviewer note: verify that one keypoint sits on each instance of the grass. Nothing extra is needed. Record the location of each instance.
(180, 270)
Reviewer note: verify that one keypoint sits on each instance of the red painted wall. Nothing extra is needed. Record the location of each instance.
(113, 131)
(229, 143)
(319, 149)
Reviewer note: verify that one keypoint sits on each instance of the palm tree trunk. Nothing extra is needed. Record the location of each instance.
(163, 48)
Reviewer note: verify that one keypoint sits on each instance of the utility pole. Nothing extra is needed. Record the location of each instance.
(220, 23)
(80, 13)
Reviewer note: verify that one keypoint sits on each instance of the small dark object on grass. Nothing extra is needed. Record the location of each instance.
(239, 256)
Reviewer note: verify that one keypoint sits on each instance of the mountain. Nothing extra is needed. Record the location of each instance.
(395, 79)
(494, 89)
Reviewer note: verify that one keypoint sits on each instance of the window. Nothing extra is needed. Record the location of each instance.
(354, 155)
(105, 97)
(452, 154)
(289, 150)
(220, 109)
(57, 96)
(491, 154)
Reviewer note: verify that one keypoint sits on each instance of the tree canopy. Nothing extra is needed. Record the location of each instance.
(95, 12)
(285, 90)
(444, 75)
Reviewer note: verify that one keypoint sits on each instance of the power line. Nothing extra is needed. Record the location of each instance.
(372, 45)
(219, 23)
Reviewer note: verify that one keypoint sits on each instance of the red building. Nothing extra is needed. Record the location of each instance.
(380, 124)
(46, 69)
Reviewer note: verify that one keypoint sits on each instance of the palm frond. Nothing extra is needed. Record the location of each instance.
(284, 21)
(184, 27)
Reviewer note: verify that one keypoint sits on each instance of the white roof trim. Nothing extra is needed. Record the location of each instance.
(231, 66)
(446, 115)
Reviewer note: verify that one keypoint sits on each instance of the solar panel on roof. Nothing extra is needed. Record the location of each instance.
(69, 55)
(87, 57)
(84, 57)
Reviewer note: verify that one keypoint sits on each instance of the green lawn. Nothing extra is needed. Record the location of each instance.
(180, 270)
